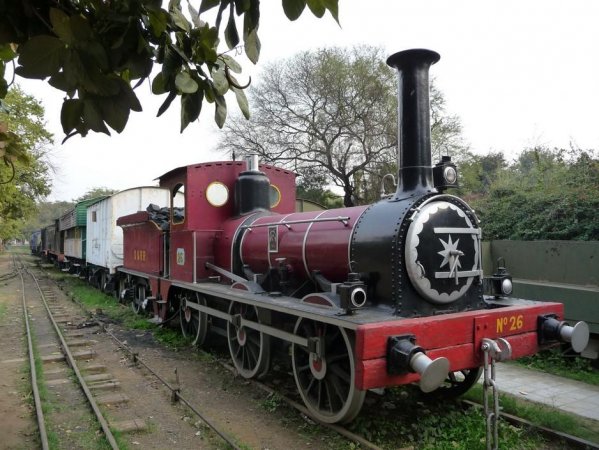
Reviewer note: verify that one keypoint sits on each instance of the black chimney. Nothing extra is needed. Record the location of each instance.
(414, 130)
(252, 189)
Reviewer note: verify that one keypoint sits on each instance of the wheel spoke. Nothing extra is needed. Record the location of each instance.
(303, 368)
(328, 391)
(338, 392)
(335, 358)
(310, 385)
(340, 373)
(318, 400)
(253, 339)
(252, 351)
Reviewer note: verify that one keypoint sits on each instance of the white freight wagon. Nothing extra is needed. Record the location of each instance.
(104, 245)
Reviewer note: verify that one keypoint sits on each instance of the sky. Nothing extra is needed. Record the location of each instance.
(517, 73)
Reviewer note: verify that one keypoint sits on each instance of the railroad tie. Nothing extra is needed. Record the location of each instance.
(128, 426)
(107, 386)
(53, 358)
(98, 377)
(57, 381)
(81, 342)
(112, 399)
(55, 373)
(74, 334)
(85, 354)
(94, 368)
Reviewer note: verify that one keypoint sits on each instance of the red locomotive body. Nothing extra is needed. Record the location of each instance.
(309, 241)
(366, 297)
(143, 244)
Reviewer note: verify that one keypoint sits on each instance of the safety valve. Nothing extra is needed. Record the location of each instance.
(404, 356)
(551, 329)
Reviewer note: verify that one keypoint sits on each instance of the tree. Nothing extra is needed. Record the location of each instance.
(479, 172)
(332, 112)
(45, 214)
(24, 178)
(94, 50)
(95, 193)
(545, 194)
(325, 110)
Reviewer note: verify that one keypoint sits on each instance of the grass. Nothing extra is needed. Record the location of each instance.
(555, 362)
(542, 415)
(271, 402)
(3, 308)
(405, 419)
(93, 299)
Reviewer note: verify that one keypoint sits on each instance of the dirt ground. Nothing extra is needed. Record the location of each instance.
(18, 428)
(247, 415)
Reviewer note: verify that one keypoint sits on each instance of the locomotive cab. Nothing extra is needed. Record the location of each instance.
(208, 194)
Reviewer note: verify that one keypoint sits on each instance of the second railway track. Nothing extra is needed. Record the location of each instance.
(58, 349)
(240, 421)
(192, 403)
(90, 396)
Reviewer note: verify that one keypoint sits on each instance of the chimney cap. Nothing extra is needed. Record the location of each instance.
(399, 59)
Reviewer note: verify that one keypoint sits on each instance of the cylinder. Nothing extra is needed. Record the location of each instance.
(414, 133)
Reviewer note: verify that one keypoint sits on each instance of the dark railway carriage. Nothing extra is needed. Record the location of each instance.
(35, 242)
(366, 297)
(52, 243)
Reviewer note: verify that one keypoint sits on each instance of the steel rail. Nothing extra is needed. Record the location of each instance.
(518, 421)
(176, 392)
(71, 360)
(302, 409)
(41, 423)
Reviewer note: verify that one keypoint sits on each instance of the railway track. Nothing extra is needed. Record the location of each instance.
(53, 336)
(572, 441)
(176, 392)
(93, 397)
(197, 408)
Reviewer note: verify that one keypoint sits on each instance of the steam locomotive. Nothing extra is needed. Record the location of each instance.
(366, 297)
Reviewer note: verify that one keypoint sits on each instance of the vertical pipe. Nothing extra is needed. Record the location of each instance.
(414, 133)
(195, 255)
(252, 163)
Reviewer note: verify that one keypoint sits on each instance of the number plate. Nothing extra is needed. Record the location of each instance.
(493, 326)
(509, 324)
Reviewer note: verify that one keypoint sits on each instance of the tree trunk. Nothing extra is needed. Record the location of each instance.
(347, 198)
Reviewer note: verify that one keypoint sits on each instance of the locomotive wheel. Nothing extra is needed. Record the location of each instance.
(457, 383)
(194, 323)
(121, 286)
(327, 383)
(249, 348)
(140, 295)
(103, 281)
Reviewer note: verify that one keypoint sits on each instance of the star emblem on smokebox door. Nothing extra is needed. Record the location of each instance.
(450, 254)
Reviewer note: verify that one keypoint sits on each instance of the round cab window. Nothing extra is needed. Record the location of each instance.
(274, 195)
(217, 193)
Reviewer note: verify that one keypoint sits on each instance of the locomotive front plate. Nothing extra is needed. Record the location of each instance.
(442, 252)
